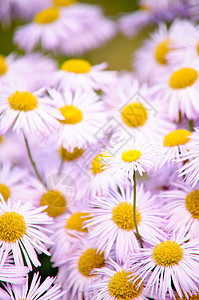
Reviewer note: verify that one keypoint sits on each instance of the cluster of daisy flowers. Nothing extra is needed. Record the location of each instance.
(99, 170)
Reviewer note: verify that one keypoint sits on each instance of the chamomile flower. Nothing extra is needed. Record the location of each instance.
(172, 262)
(13, 182)
(185, 43)
(22, 232)
(47, 28)
(134, 109)
(115, 282)
(113, 223)
(154, 53)
(75, 274)
(35, 291)
(83, 114)
(11, 273)
(175, 144)
(31, 70)
(179, 89)
(182, 209)
(67, 229)
(27, 112)
(79, 73)
(190, 161)
(138, 154)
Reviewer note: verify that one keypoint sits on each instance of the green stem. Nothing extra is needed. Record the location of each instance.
(191, 125)
(32, 161)
(134, 209)
(61, 165)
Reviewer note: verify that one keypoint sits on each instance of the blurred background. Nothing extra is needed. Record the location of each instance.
(117, 52)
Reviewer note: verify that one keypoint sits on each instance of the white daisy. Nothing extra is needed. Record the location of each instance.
(11, 273)
(48, 29)
(22, 232)
(35, 291)
(135, 110)
(179, 89)
(139, 154)
(152, 55)
(182, 209)
(115, 282)
(112, 218)
(31, 70)
(75, 274)
(68, 228)
(79, 73)
(83, 114)
(171, 263)
(13, 182)
(190, 161)
(185, 43)
(28, 112)
(175, 144)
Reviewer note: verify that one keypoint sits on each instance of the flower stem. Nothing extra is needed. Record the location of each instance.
(134, 209)
(32, 161)
(191, 125)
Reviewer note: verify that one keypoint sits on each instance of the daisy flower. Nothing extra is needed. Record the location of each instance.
(13, 182)
(27, 112)
(182, 209)
(77, 73)
(92, 28)
(190, 160)
(154, 52)
(11, 273)
(115, 282)
(67, 228)
(185, 43)
(139, 154)
(113, 222)
(22, 232)
(179, 89)
(171, 263)
(31, 70)
(95, 179)
(134, 109)
(47, 28)
(35, 291)
(175, 144)
(75, 274)
(83, 114)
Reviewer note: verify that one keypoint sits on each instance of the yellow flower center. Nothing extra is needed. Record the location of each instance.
(183, 78)
(76, 65)
(161, 50)
(47, 16)
(90, 259)
(167, 253)
(56, 203)
(192, 203)
(72, 114)
(1, 139)
(134, 114)
(121, 288)
(97, 165)
(12, 227)
(3, 65)
(5, 191)
(63, 2)
(76, 221)
(176, 138)
(131, 155)
(123, 216)
(70, 156)
(23, 101)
